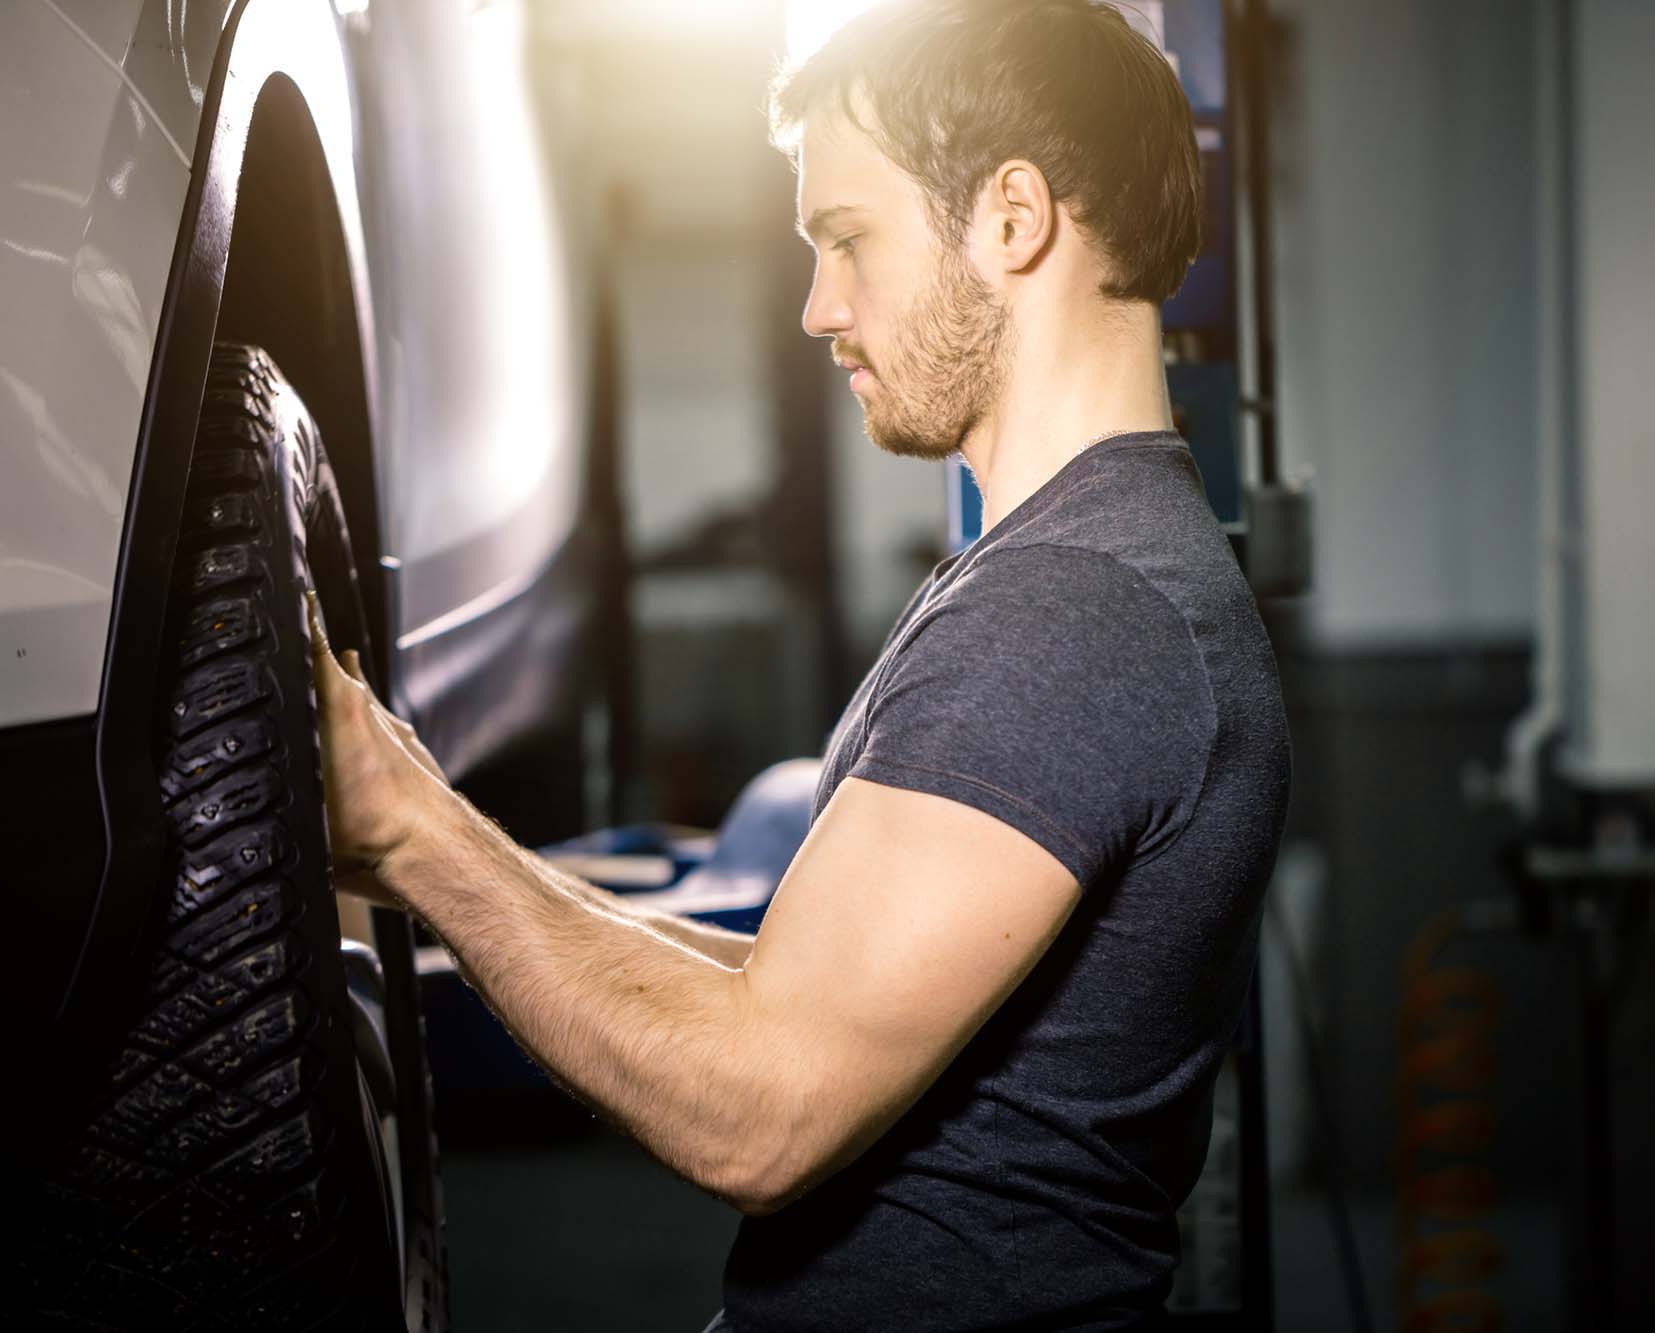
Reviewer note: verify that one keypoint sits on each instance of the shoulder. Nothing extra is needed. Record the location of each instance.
(1032, 623)
(1053, 686)
(1070, 588)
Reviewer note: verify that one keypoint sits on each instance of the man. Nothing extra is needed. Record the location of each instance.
(962, 1076)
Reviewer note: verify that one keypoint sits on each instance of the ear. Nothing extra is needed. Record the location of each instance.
(1016, 214)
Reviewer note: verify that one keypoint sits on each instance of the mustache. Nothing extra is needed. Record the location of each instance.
(850, 352)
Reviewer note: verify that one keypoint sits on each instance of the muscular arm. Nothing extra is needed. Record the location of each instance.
(901, 925)
(630, 1016)
(730, 947)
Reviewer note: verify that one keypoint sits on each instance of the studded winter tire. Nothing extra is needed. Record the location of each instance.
(258, 1154)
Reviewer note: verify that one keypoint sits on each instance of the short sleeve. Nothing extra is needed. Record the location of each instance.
(1055, 689)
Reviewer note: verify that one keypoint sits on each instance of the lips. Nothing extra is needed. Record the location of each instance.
(860, 375)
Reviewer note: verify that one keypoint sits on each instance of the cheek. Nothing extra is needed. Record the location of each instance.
(862, 299)
(878, 297)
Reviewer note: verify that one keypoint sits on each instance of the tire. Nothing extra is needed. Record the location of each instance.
(259, 1153)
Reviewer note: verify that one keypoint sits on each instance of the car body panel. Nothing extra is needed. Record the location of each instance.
(478, 400)
(109, 25)
(479, 420)
(164, 50)
(93, 191)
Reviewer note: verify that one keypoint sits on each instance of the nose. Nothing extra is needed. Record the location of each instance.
(826, 312)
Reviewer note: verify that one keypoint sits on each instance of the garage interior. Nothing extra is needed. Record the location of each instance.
(1457, 306)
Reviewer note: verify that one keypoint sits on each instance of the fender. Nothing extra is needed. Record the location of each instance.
(267, 48)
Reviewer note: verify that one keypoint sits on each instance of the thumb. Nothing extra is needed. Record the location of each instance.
(328, 672)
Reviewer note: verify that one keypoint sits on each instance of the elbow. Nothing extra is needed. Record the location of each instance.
(773, 1170)
(760, 1198)
(759, 1190)
(755, 1204)
(788, 1135)
(796, 1152)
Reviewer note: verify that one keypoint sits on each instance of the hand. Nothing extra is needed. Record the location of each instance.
(379, 779)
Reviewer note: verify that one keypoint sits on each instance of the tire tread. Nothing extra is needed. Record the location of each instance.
(203, 1191)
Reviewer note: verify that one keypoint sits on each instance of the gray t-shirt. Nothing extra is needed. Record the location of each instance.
(1094, 673)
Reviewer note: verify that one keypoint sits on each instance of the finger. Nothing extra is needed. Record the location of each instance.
(353, 664)
(318, 631)
(352, 661)
(328, 671)
(403, 731)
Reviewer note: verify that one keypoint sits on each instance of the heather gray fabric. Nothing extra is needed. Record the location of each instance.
(1092, 672)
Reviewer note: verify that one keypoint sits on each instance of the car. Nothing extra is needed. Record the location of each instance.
(291, 302)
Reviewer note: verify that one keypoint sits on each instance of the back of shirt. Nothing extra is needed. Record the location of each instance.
(1093, 672)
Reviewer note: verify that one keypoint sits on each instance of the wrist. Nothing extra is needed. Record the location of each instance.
(417, 857)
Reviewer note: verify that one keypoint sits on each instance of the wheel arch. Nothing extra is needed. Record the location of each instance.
(288, 288)
(279, 100)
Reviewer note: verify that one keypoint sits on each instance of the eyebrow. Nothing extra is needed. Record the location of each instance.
(823, 218)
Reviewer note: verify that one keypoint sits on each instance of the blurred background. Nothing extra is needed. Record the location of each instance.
(1412, 362)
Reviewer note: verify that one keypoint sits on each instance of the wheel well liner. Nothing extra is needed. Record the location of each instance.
(287, 289)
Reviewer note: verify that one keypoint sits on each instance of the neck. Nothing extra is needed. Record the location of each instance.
(1071, 381)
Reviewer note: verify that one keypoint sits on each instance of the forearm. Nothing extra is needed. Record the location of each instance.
(729, 947)
(634, 1011)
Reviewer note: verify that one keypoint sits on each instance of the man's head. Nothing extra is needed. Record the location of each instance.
(950, 150)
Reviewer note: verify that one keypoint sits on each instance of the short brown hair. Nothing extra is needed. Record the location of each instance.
(957, 87)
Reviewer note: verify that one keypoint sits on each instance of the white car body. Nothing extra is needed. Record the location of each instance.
(478, 421)
(358, 188)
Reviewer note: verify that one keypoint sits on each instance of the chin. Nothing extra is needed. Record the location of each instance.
(900, 435)
(905, 444)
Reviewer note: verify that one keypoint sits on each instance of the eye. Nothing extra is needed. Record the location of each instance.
(846, 245)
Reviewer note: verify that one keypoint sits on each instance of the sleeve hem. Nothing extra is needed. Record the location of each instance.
(984, 796)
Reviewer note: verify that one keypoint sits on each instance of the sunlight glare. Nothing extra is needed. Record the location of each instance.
(812, 22)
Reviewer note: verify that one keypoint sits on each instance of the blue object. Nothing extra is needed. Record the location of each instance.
(965, 505)
(1203, 397)
(732, 885)
(729, 884)
(1195, 36)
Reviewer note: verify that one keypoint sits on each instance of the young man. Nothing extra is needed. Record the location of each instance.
(962, 1076)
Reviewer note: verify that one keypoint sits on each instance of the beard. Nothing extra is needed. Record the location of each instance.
(947, 363)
